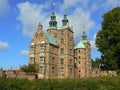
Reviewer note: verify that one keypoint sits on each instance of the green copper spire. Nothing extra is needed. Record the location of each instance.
(53, 22)
(84, 36)
(65, 20)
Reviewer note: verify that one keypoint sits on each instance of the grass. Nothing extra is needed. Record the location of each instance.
(101, 83)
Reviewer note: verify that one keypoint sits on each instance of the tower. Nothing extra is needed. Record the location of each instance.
(66, 49)
(52, 23)
(83, 57)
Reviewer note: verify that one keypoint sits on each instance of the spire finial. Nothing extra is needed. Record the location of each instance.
(40, 26)
(65, 9)
(53, 22)
(53, 7)
(84, 36)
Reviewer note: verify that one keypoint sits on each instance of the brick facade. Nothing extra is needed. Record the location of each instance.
(55, 52)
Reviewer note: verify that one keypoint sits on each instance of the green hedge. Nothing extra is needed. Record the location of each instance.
(103, 83)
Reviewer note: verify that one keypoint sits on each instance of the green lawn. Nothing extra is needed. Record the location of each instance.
(101, 83)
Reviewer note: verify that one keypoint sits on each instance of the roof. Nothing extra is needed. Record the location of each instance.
(51, 39)
(80, 45)
(65, 27)
(85, 41)
(52, 28)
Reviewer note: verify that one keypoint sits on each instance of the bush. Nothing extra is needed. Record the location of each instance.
(101, 83)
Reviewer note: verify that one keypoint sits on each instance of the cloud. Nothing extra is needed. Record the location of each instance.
(30, 15)
(81, 21)
(92, 42)
(24, 52)
(4, 7)
(70, 3)
(4, 46)
(112, 3)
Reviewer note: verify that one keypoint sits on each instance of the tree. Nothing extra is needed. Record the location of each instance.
(108, 40)
(31, 68)
(96, 63)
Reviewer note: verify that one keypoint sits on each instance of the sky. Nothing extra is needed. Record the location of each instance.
(19, 20)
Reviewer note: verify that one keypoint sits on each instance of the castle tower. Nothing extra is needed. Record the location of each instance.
(83, 57)
(66, 50)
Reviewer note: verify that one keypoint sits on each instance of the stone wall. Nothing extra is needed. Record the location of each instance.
(18, 75)
(98, 73)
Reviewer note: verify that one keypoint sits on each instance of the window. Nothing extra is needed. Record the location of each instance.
(32, 60)
(32, 48)
(53, 70)
(70, 71)
(62, 41)
(41, 69)
(42, 59)
(62, 51)
(62, 70)
(79, 51)
(79, 62)
(70, 61)
(70, 50)
(53, 60)
(62, 32)
(70, 38)
(62, 61)
(52, 48)
(42, 47)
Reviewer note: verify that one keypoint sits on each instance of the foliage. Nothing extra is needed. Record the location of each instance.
(96, 63)
(31, 68)
(101, 83)
(108, 40)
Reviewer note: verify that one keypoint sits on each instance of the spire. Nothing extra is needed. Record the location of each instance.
(84, 36)
(53, 22)
(39, 26)
(65, 20)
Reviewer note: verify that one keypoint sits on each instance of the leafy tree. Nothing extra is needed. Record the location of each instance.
(96, 63)
(108, 40)
(31, 68)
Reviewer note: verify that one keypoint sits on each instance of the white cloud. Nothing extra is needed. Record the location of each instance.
(92, 42)
(70, 3)
(4, 46)
(81, 21)
(76, 3)
(107, 4)
(30, 15)
(4, 7)
(24, 52)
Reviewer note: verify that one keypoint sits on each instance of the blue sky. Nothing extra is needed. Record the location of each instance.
(19, 19)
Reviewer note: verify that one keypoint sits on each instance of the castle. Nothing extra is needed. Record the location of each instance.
(57, 55)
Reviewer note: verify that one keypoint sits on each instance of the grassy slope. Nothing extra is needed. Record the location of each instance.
(104, 83)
